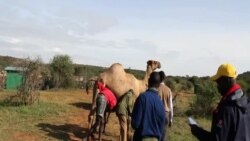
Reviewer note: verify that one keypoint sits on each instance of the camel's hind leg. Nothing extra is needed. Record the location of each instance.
(98, 122)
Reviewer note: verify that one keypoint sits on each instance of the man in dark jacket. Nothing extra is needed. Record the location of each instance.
(231, 118)
(148, 116)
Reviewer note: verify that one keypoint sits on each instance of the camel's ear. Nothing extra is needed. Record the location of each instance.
(150, 62)
(159, 64)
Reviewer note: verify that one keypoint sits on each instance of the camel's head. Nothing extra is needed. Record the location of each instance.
(154, 64)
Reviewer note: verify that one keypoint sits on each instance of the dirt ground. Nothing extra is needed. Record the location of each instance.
(71, 125)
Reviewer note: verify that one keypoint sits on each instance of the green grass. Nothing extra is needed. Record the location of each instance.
(181, 131)
(23, 118)
(42, 109)
(55, 109)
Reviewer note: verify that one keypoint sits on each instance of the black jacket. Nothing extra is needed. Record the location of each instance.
(231, 121)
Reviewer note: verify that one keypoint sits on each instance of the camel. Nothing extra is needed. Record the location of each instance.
(120, 82)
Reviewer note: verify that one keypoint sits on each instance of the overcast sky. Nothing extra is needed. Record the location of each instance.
(188, 37)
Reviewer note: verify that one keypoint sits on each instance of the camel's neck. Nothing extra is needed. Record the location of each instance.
(142, 86)
(144, 82)
(147, 74)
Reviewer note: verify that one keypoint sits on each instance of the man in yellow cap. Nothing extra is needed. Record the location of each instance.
(231, 119)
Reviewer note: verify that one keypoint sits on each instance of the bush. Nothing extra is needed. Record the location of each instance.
(62, 71)
(171, 84)
(244, 85)
(28, 92)
(207, 97)
(179, 84)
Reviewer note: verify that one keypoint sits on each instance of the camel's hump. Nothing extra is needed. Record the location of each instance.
(116, 67)
(116, 64)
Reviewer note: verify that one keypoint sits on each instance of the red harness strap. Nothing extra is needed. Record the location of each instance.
(229, 92)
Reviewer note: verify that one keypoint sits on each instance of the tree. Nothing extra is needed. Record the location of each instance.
(62, 71)
(79, 70)
(28, 92)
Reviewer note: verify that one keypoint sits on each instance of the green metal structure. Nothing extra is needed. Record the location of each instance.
(14, 77)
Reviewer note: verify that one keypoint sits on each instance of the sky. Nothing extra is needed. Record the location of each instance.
(188, 37)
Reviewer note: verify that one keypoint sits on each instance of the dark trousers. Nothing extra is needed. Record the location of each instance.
(165, 131)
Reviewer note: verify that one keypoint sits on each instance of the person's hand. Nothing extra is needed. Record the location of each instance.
(199, 133)
(170, 124)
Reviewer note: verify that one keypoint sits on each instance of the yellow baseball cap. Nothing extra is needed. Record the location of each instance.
(225, 70)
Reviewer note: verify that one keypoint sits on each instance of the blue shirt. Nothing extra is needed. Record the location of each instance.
(148, 116)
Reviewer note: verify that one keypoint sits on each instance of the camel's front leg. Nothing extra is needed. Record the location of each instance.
(91, 117)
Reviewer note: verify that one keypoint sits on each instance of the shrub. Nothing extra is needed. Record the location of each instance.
(207, 96)
(244, 85)
(170, 82)
(62, 71)
(28, 92)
